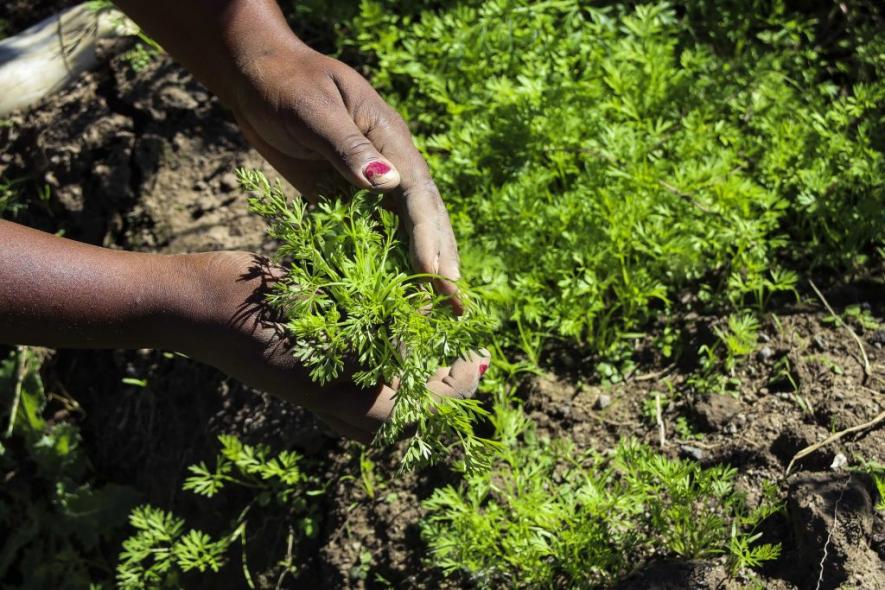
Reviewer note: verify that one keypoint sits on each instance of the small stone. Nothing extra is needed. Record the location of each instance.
(692, 452)
(603, 401)
(877, 338)
(200, 185)
(176, 98)
(714, 411)
(763, 391)
(228, 182)
(839, 461)
(765, 353)
(819, 342)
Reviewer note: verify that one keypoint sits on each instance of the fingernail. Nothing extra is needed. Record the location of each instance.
(483, 367)
(377, 172)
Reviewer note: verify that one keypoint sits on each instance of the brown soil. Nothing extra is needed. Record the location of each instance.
(144, 161)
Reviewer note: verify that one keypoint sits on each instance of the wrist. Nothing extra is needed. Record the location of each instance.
(254, 57)
(180, 300)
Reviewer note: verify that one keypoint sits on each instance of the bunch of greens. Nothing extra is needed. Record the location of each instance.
(348, 296)
(546, 516)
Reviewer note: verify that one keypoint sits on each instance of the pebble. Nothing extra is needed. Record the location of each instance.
(839, 461)
(766, 353)
(603, 401)
(177, 98)
(692, 452)
(228, 182)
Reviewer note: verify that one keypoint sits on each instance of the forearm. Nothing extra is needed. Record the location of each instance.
(63, 294)
(217, 40)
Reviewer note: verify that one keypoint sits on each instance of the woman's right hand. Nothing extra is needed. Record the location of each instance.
(236, 332)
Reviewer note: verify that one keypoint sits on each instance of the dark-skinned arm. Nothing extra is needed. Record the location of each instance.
(306, 113)
(60, 293)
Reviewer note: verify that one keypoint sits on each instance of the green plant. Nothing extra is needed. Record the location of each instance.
(879, 479)
(685, 431)
(160, 548)
(348, 293)
(718, 361)
(859, 315)
(161, 551)
(58, 520)
(598, 160)
(10, 205)
(739, 339)
(877, 473)
(547, 516)
(145, 50)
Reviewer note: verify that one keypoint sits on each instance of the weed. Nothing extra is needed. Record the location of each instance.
(10, 204)
(859, 315)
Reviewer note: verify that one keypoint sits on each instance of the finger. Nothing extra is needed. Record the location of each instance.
(363, 409)
(335, 135)
(311, 178)
(432, 242)
(463, 377)
(449, 267)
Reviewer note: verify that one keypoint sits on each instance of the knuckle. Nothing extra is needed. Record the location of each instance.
(354, 147)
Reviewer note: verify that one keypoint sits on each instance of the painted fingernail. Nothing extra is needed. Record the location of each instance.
(377, 172)
(483, 367)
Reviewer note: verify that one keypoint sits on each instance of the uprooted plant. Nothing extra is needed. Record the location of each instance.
(349, 294)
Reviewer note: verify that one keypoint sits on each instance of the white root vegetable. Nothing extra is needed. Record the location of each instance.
(51, 54)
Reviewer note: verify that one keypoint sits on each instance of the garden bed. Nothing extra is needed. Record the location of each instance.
(143, 160)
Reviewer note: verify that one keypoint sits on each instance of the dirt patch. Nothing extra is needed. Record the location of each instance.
(143, 160)
(833, 516)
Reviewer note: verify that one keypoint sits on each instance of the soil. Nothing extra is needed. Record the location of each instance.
(143, 161)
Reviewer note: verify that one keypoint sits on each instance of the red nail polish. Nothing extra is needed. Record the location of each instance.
(375, 168)
(483, 367)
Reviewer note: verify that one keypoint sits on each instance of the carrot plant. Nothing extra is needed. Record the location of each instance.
(162, 551)
(547, 515)
(600, 161)
(349, 294)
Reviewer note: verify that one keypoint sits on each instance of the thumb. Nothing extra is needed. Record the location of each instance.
(345, 146)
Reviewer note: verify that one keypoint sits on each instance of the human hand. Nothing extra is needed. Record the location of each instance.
(310, 115)
(237, 333)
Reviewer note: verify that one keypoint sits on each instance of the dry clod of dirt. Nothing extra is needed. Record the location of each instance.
(832, 516)
(714, 411)
(679, 575)
(796, 437)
